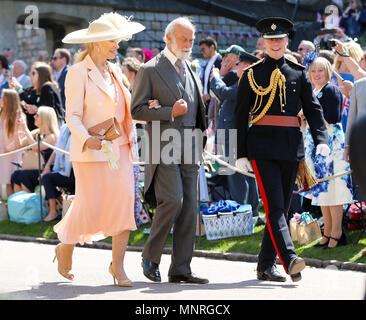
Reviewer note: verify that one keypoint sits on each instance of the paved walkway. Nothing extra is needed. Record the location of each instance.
(27, 272)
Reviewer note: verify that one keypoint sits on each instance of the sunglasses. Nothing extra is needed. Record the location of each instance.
(55, 58)
(300, 49)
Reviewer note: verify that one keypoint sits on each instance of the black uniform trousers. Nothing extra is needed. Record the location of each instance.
(275, 180)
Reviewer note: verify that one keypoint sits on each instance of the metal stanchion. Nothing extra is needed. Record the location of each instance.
(40, 180)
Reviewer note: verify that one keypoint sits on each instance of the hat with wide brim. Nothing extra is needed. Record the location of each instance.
(110, 26)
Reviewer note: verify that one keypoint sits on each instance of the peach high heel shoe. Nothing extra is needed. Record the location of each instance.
(121, 283)
(61, 269)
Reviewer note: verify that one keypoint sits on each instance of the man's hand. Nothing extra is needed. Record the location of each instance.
(206, 97)
(346, 154)
(180, 108)
(244, 165)
(322, 149)
(154, 104)
(215, 73)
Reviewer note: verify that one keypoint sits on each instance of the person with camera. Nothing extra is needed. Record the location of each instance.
(46, 89)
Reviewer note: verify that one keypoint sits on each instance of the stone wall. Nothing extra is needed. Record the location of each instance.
(225, 31)
(30, 41)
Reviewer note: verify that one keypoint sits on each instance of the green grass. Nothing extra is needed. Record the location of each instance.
(245, 244)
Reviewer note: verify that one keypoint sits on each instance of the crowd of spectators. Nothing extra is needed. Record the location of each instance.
(27, 98)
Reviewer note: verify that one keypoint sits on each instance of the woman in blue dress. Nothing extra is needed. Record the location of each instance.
(330, 195)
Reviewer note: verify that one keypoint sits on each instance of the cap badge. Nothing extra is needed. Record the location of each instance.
(273, 27)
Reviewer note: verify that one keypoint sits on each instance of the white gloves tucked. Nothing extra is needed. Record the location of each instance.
(322, 149)
(244, 165)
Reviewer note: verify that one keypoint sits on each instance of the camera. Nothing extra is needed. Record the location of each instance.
(332, 43)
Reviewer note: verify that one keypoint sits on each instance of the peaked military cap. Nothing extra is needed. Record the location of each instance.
(247, 57)
(275, 27)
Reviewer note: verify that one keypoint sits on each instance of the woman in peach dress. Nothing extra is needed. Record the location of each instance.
(95, 93)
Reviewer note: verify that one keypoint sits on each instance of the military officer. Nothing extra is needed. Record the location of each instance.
(270, 95)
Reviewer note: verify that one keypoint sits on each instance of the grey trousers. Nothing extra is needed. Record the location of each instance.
(176, 194)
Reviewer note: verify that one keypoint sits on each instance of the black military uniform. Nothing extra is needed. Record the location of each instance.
(272, 92)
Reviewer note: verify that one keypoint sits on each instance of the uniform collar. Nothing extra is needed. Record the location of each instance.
(275, 62)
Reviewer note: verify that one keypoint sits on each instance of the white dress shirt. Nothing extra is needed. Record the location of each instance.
(210, 63)
(171, 57)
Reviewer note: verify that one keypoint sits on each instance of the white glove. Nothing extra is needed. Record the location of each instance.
(322, 149)
(244, 165)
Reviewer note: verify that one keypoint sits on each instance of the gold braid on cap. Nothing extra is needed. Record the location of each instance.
(277, 80)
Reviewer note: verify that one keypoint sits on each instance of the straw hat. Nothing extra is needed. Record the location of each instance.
(109, 26)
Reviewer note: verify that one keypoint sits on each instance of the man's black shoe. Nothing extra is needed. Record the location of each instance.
(296, 277)
(296, 265)
(190, 278)
(270, 274)
(151, 270)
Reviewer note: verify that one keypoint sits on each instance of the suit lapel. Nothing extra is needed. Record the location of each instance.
(198, 87)
(164, 69)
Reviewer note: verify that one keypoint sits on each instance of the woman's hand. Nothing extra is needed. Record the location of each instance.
(14, 84)
(154, 104)
(94, 142)
(30, 108)
(346, 154)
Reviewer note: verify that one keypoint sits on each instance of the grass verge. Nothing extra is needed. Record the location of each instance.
(245, 244)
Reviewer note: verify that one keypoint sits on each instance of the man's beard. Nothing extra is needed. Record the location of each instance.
(182, 54)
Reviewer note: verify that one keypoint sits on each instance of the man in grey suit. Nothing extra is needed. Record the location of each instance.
(168, 95)
(356, 109)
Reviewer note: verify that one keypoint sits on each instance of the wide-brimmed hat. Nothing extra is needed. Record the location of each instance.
(110, 26)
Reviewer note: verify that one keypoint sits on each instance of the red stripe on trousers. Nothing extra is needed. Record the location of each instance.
(266, 208)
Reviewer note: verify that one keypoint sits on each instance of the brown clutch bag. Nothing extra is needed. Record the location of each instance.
(109, 128)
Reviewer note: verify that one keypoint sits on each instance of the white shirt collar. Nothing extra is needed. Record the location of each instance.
(170, 56)
(208, 69)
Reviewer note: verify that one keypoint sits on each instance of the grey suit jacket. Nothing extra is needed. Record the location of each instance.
(156, 80)
(357, 106)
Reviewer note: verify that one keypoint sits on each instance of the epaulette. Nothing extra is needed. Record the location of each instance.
(251, 66)
(255, 63)
(295, 63)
